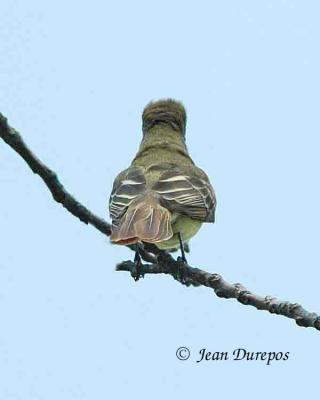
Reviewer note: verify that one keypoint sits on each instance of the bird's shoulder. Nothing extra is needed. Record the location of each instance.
(133, 175)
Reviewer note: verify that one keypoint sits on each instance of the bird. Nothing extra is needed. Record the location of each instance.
(162, 197)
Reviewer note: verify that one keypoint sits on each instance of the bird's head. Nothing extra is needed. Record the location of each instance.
(165, 112)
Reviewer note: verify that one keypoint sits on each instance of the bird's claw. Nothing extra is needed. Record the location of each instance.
(179, 273)
(137, 270)
(182, 259)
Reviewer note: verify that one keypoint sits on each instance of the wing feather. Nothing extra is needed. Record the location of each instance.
(187, 192)
(127, 186)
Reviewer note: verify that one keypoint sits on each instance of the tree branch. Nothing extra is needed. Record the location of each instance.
(59, 193)
(198, 277)
(161, 262)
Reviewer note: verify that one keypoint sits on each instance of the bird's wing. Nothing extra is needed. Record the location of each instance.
(129, 184)
(187, 191)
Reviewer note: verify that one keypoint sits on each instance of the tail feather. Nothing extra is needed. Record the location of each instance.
(145, 220)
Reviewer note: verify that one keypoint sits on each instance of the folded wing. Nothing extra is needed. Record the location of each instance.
(128, 185)
(188, 192)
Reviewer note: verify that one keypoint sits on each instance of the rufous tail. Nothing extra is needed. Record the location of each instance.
(145, 220)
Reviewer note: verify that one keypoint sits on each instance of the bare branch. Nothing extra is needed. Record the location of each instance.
(198, 277)
(161, 262)
(59, 193)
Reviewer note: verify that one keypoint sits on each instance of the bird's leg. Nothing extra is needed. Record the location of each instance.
(183, 254)
(136, 271)
(181, 261)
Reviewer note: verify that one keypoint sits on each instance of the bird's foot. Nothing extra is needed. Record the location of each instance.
(182, 259)
(179, 273)
(137, 269)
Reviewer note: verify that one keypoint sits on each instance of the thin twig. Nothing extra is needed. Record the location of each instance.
(161, 262)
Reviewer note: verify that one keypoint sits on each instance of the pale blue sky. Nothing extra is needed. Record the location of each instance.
(74, 78)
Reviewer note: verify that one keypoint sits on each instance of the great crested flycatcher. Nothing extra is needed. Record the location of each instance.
(163, 197)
